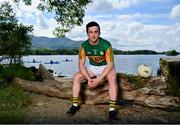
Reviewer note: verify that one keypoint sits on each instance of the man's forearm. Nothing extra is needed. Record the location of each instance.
(108, 68)
(84, 71)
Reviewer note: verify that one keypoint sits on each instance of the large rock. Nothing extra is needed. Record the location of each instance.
(162, 101)
(45, 74)
(170, 70)
(155, 86)
(63, 89)
(152, 92)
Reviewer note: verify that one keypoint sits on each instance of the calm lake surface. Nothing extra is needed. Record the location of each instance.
(123, 63)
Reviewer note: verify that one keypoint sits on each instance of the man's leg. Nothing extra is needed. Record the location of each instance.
(75, 93)
(77, 78)
(113, 91)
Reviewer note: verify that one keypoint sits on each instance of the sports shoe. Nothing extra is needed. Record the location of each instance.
(112, 115)
(73, 110)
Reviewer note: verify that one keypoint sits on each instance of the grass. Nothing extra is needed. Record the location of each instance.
(12, 101)
(12, 98)
(17, 70)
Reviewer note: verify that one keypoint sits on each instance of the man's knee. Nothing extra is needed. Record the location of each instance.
(77, 76)
(111, 76)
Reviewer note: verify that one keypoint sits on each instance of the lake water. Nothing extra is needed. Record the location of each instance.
(123, 63)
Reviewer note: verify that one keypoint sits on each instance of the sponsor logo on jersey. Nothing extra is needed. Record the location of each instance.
(97, 59)
(101, 53)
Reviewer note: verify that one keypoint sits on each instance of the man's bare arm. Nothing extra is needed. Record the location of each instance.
(83, 69)
(101, 78)
(110, 63)
(107, 69)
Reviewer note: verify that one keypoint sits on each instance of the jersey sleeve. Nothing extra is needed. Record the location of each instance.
(109, 55)
(82, 54)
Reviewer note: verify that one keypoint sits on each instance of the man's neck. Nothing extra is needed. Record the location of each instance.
(94, 42)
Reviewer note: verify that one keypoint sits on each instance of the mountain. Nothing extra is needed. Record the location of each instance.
(54, 43)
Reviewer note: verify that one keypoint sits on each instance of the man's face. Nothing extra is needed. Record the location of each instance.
(93, 33)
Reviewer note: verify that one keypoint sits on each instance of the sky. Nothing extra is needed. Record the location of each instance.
(127, 24)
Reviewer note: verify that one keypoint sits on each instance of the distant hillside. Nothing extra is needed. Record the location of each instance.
(54, 43)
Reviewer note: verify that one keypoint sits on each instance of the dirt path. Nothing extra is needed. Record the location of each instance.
(53, 110)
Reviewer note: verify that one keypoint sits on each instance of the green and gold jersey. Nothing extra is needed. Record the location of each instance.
(100, 54)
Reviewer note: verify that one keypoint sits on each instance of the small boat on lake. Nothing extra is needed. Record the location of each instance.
(67, 60)
(52, 62)
(34, 61)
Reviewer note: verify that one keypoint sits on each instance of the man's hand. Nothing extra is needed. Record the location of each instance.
(94, 82)
(90, 82)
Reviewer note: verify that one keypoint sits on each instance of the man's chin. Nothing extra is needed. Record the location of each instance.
(94, 40)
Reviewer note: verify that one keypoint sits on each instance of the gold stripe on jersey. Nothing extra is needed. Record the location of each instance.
(82, 54)
(109, 55)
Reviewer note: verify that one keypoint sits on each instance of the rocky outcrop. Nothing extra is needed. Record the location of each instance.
(170, 70)
(45, 74)
(153, 94)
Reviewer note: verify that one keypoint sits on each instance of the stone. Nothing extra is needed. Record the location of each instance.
(170, 70)
(45, 74)
(153, 92)
(63, 89)
(162, 101)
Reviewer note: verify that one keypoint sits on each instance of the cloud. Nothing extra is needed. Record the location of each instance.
(100, 6)
(104, 6)
(28, 9)
(77, 34)
(154, 37)
(137, 30)
(30, 15)
(129, 34)
(41, 21)
(119, 4)
(175, 12)
(48, 30)
(131, 31)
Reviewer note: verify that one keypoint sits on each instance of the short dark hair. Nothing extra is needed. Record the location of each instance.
(91, 24)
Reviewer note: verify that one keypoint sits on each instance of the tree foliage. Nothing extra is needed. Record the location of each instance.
(54, 52)
(76, 51)
(6, 14)
(15, 39)
(135, 52)
(68, 13)
(172, 53)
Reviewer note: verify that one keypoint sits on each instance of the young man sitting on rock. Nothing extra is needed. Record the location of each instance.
(100, 54)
